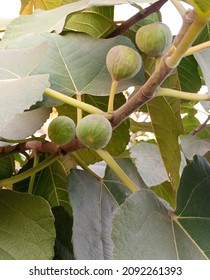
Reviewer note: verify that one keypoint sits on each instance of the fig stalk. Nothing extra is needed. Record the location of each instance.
(180, 8)
(32, 178)
(84, 165)
(112, 95)
(79, 111)
(22, 176)
(117, 170)
(73, 102)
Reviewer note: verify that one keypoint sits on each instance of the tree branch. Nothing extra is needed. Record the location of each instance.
(137, 17)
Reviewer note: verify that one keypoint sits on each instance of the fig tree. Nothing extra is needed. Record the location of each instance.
(94, 131)
(61, 130)
(123, 62)
(154, 39)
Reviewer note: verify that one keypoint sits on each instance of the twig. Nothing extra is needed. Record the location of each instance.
(137, 17)
(200, 127)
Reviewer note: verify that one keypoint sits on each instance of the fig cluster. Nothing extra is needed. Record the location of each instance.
(154, 39)
(93, 131)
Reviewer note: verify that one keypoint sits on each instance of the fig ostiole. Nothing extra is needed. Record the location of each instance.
(123, 62)
(61, 130)
(154, 39)
(94, 131)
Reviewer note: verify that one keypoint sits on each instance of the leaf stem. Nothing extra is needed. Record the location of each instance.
(112, 95)
(84, 165)
(118, 170)
(14, 141)
(182, 95)
(79, 111)
(73, 102)
(30, 172)
(180, 8)
(200, 127)
(197, 48)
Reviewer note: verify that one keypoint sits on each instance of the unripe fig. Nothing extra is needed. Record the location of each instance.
(61, 130)
(154, 39)
(123, 62)
(94, 131)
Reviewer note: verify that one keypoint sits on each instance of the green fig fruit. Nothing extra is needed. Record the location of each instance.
(94, 131)
(123, 62)
(61, 130)
(154, 39)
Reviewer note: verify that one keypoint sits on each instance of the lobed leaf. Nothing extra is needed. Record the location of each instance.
(25, 124)
(166, 123)
(93, 207)
(54, 20)
(147, 157)
(114, 184)
(95, 21)
(203, 59)
(51, 184)
(28, 6)
(193, 213)
(26, 57)
(19, 95)
(190, 123)
(187, 72)
(166, 128)
(192, 145)
(69, 60)
(143, 229)
(166, 192)
(20, 89)
(63, 226)
(6, 166)
(26, 227)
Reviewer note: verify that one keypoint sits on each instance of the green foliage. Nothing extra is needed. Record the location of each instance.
(89, 198)
(181, 235)
(32, 234)
(146, 194)
(96, 21)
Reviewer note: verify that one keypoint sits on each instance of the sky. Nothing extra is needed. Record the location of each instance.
(9, 8)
